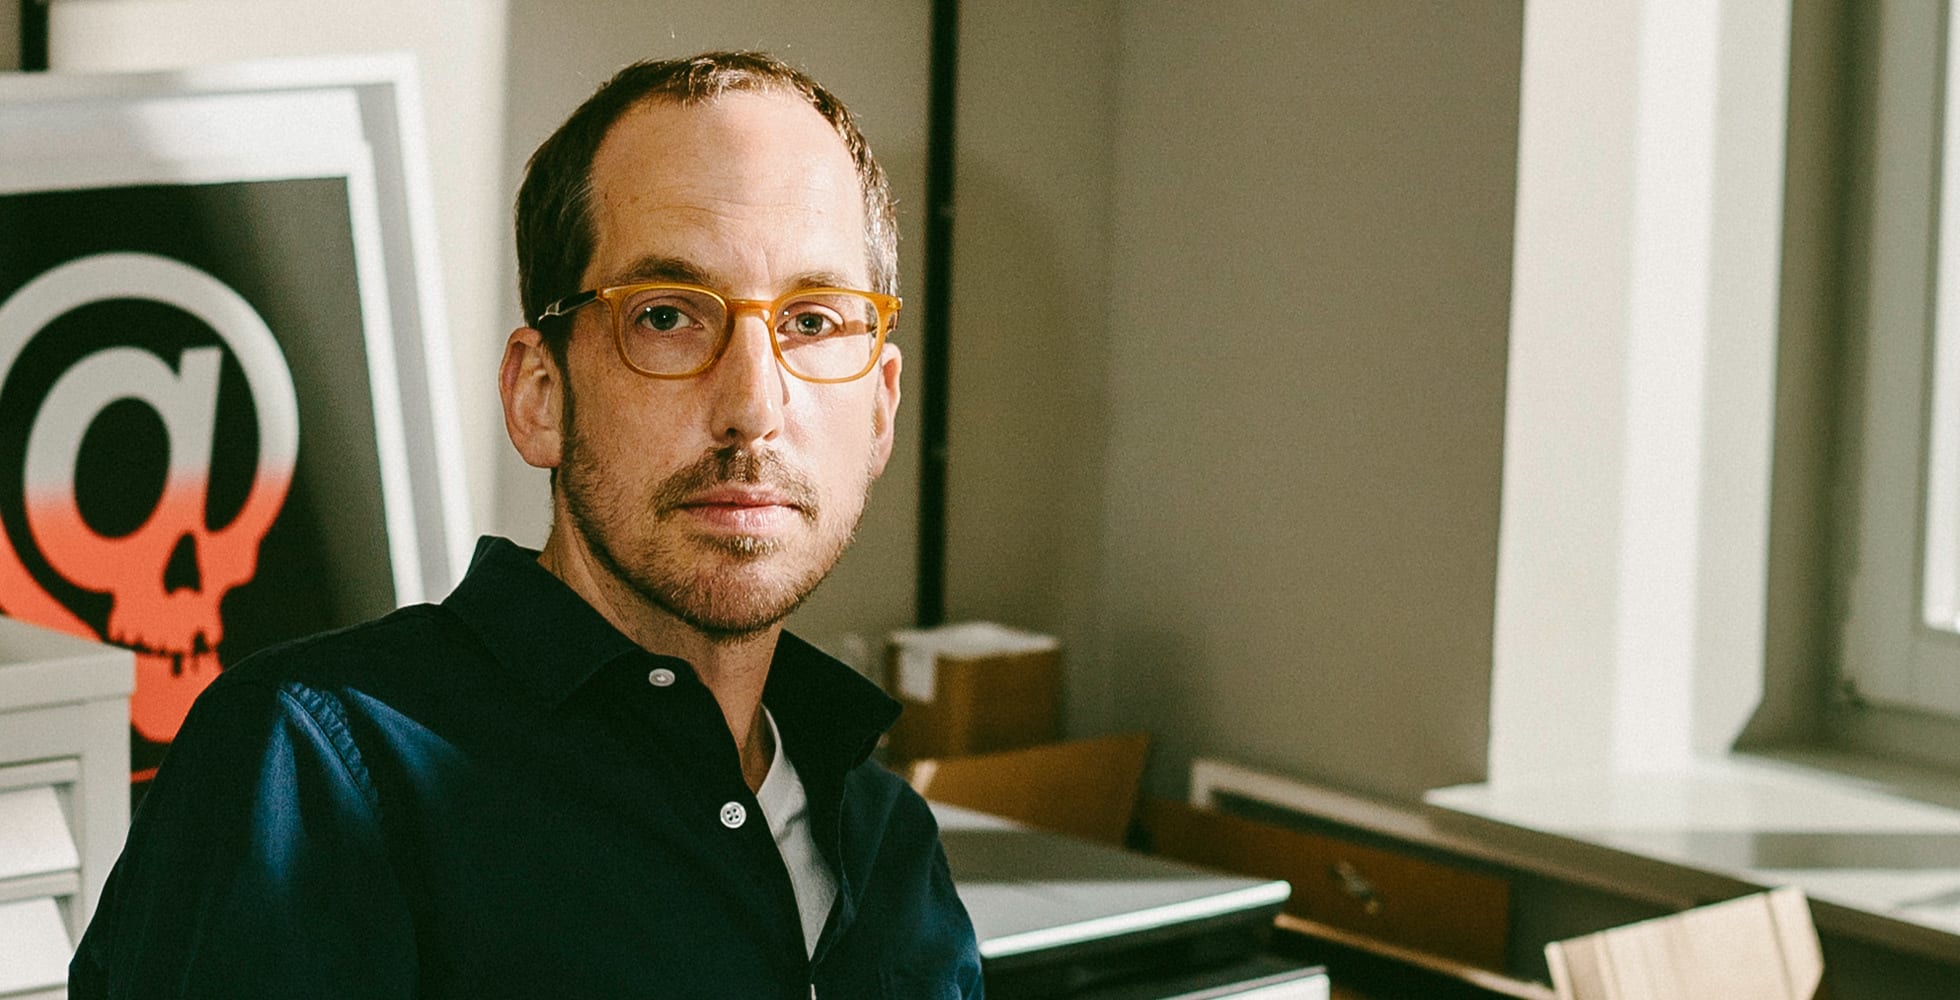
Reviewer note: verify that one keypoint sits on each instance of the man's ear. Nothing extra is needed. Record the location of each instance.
(884, 417)
(533, 391)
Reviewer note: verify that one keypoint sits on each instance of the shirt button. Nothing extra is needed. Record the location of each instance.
(660, 677)
(733, 815)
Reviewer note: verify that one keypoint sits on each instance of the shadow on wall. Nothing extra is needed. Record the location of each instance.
(1028, 425)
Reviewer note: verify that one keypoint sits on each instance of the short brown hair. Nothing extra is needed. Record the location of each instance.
(555, 230)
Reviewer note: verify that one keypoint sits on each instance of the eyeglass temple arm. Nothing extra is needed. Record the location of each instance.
(568, 304)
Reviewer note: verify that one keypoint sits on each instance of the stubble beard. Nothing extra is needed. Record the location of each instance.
(721, 586)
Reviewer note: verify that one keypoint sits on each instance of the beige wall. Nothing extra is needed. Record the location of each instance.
(9, 36)
(1248, 467)
(1306, 333)
(1028, 407)
(873, 54)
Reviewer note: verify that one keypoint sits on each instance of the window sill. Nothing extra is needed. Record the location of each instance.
(1875, 846)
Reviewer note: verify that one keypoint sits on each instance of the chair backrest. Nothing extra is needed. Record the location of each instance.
(1085, 788)
(1760, 947)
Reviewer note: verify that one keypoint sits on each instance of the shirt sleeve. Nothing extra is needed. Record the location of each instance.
(255, 866)
(966, 970)
(941, 956)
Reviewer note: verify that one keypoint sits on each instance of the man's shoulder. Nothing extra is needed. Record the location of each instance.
(333, 683)
(875, 779)
(885, 802)
(374, 652)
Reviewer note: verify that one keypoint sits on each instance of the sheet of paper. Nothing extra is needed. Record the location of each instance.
(919, 651)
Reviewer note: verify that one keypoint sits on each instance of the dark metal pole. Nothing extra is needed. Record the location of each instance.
(936, 339)
(34, 34)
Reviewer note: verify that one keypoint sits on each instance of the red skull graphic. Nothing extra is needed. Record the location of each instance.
(173, 626)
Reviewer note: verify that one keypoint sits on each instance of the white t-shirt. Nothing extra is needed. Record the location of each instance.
(788, 811)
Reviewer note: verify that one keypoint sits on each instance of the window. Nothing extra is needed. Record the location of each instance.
(1898, 657)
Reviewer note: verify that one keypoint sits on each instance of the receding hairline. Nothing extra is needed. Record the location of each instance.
(553, 211)
(763, 88)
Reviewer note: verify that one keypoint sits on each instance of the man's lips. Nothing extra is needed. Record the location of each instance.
(744, 509)
(731, 498)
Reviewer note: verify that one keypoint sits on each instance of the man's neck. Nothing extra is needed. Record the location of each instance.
(734, 672)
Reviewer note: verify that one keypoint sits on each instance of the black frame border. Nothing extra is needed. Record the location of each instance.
(936, 338)
(34, 35)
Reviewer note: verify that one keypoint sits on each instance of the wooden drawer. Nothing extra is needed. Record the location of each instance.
(1392, 897)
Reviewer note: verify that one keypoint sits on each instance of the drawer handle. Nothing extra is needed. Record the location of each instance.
(1357, 886)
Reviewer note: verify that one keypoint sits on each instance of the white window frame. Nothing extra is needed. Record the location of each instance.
(1900, 638)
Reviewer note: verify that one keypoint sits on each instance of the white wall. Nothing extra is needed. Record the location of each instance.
(872, 54)
(459, 46)
(1631, 600)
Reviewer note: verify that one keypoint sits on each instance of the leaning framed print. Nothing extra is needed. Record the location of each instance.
(226, 414)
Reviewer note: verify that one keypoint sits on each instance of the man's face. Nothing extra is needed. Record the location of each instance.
(722, 499)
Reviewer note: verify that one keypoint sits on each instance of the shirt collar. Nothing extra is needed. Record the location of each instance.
(547, 636)
(823, 707)
(536, 627)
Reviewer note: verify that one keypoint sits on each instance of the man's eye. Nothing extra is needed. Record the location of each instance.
(662, 318)
(810, 323)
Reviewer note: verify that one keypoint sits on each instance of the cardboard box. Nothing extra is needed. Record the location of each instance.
(972, 688)
(1760, 947)
(1084, 788)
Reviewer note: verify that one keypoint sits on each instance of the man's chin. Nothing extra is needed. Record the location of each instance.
(736, 586)
(745, 548)
(732, 613)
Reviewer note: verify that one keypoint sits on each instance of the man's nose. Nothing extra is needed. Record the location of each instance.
(750, 387)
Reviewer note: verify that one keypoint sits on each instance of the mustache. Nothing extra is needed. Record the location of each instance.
(736, 466)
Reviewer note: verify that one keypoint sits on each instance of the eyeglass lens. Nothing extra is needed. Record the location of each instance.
(821, 335)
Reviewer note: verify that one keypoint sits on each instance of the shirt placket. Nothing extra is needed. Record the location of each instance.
(824, 795)
(688, 725)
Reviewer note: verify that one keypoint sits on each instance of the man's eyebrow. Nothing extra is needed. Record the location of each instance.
(821, 279)
(656, 267)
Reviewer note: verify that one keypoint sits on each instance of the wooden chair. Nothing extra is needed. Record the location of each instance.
(1086, 788)
(1760, 947)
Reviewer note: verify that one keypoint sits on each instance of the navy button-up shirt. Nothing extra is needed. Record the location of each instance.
(489, 798)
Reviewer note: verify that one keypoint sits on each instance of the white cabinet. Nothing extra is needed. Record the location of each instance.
(64, 796)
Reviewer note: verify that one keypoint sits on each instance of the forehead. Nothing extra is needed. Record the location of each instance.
(747, 186)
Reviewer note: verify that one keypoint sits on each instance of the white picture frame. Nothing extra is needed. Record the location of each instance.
(309, 132)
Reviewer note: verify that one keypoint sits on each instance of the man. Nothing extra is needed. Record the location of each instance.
(602, 770)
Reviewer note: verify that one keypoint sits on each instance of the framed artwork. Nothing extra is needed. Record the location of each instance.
(226, 415)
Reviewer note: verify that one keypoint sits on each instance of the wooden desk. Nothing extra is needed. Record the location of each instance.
(1364, 969)
(1557, 888)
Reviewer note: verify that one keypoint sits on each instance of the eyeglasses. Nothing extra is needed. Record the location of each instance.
(676, 331)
